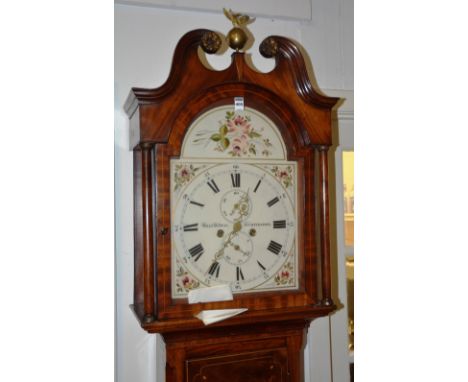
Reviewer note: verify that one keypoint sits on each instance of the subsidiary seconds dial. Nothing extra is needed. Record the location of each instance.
(234, 224)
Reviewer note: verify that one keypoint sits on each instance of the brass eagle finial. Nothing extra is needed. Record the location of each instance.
(238, 19)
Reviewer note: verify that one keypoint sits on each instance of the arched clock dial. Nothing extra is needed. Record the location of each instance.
(235, 224)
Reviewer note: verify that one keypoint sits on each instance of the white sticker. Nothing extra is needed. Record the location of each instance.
(209, 294)
(238, 103)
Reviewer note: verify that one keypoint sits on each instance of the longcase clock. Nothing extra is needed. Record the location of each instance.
(230, 188)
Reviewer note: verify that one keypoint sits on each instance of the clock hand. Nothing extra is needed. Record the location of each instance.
(242, 207)
(238, 248)
(236, 228)
(220, 253)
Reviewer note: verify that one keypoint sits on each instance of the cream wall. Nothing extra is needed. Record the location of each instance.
(145, 38)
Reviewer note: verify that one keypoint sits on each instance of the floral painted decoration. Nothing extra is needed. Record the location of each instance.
(184, 282)
(285, 275)
(238, 137)
(183, 174)
(284, 175)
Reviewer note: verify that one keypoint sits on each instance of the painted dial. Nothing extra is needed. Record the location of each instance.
(234, 224)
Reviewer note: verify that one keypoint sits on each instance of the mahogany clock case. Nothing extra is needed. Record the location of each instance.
(159, 119)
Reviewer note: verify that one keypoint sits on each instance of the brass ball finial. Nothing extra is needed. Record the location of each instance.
(237, 37)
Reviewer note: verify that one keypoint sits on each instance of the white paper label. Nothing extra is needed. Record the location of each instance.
(214, 293)
(238, 103)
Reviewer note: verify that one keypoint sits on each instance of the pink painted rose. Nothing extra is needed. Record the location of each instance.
(240, 144)
(231, 126)
(242, 124)
(239, 120)
(238, 125)
(245, 129)
(184, 173)
(185, 281)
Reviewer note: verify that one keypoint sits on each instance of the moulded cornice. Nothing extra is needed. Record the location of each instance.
(282, 49)
(189, 79)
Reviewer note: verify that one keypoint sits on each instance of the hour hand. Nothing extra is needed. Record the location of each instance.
(220, 253)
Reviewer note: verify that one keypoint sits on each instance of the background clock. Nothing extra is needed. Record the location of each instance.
(237, 194)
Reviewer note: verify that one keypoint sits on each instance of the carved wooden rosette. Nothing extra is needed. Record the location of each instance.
(210, 42)
(159, 119)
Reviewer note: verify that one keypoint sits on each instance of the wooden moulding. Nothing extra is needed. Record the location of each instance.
(158, 108)
(148, 232)
(324, 227)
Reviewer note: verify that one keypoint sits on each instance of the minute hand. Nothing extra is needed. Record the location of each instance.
(236, 228)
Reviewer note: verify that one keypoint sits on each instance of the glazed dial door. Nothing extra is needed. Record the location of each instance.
(234, 223)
